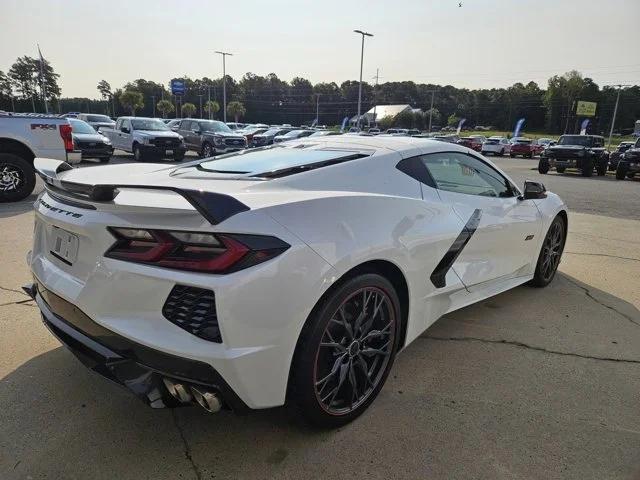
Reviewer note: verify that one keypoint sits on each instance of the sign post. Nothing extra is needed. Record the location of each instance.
(178, 88)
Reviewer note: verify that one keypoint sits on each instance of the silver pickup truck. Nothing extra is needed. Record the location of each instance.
(146, 138)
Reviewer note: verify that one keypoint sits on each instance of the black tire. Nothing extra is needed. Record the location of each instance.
(178, 156)
(313, 361)
(543, 166)
(547, 264)
(631, 175)
(138, 154)
(17, 178)
(529, 155)
(621, 172)
(512, 155)
(560, 169)
(501, 153)
(601, 170)
(587, 168)
(207, 150)
(104, 159)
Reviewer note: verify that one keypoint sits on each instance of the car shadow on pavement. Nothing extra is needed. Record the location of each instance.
(532, 383)
(18, 208)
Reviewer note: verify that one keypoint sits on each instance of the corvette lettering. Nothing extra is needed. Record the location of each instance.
(59, 210)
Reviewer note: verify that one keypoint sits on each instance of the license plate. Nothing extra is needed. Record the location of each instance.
(63, 245)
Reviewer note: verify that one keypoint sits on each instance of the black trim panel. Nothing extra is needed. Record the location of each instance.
(138, 367)
(214, 207)
(439, 274)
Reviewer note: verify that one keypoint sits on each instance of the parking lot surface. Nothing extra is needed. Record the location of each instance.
(532, 383)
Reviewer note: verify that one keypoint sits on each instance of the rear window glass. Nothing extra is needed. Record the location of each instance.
(276, 161)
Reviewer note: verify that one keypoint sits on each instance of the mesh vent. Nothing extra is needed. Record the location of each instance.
(194, 310)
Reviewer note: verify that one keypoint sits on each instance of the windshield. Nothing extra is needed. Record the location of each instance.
(273, 131)
(581, 140)
(258, 162)
(522, 141)
(78, 126)
(98, 118)
(213, 126)
(293, 133)
(148, 124)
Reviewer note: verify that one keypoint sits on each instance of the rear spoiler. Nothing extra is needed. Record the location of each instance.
(214, 207)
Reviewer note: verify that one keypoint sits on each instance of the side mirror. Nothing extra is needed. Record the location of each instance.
(124, 129)
(196, 131)
(533, 191)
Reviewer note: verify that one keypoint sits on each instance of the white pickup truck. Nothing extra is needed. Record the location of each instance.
(146, 138)
(24, 137)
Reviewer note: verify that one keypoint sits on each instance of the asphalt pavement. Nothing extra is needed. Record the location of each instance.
(532, 383)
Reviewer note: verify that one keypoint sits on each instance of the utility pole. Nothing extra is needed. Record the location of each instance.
(615, 112)
(364, 34)
(317, 109)
(566, 125)
(153, 102)
(375, 97)
(224, 84)
(209, 100)
(433, 92)
(200, 95)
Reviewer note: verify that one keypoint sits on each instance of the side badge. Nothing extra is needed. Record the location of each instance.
(528, 237)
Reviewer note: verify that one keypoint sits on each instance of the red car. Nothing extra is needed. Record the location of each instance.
(474, 143)
(525, 147)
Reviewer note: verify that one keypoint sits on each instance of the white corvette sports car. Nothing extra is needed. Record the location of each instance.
(286, 274)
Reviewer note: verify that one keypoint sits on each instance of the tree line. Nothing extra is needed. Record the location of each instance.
(269, 99)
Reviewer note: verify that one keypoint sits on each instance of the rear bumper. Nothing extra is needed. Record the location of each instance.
(162, 151)
(138, 368)
(97, 152)
(74, 157)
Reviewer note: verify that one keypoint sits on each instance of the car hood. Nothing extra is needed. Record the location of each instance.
(157, 133)
(89, 137)
(102, 124)
(224, 134)
(567, 147)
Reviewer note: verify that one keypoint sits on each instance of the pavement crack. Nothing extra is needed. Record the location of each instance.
(187, 448)
(11, 290)
(529, 347)
(19, 302)
(604, 255)
(587, 292)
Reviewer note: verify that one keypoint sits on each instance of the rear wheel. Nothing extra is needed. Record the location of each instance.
(346, 351)
(501, 153)
(512, 155)
(587, 168)
(550, 254)
(17, 178)
(178, 156)
(560, 169)
(104, 159)
(601, 170)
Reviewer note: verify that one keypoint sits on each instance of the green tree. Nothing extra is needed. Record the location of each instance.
(105, 92)
(436, 117)
(211, 107)
(25, 75)
(132, 100)
(453, 120)
(165, 107)
(236, 110)
(188, 109)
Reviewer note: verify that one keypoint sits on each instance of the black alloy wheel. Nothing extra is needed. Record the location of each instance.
(550, 254)
(346, 351)
(207, 150)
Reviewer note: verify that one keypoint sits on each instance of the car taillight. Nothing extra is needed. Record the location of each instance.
(67, 138)
(194, 251)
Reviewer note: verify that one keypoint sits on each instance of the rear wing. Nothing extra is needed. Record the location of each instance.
(214, 207)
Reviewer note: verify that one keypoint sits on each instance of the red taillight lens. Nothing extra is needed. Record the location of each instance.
(67, 138)
(194, 251)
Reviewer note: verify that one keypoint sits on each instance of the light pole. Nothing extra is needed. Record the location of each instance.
(317, 109)
(431, 109)
(201, 95)
(615, 112)
(153, 103)
(375, 97)
(224, 84)
(364, 34)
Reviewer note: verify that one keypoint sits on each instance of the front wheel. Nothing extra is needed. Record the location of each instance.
(207, 150)
(104, 159)
(543, 166)
(621, 171)
(560, 169)
(587, 168)
(178, 156)
(345, 351)
(512, 155)
(550, 254)
(138, 156)
(17, 178)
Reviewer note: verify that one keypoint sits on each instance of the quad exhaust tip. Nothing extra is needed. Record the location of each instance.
(187, 394)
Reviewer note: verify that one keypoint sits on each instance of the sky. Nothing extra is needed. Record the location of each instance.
(483, 44)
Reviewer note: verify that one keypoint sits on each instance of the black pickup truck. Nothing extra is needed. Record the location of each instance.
(583, 152)
(629, 163)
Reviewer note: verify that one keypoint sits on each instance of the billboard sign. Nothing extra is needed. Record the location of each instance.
(178, 87)
(586, 109)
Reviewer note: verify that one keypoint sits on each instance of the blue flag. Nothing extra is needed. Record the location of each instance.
(516, 131)
(344, 123)
(460, 125)
(583, 127)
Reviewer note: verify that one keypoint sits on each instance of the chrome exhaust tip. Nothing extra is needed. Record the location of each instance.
(178, 391)
(207, 400)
